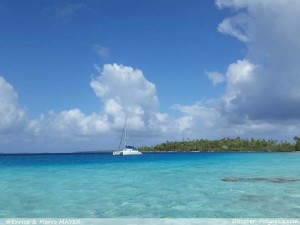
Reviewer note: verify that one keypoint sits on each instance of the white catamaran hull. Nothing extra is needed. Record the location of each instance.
(131, 152)
(127, 152)
(117, 153)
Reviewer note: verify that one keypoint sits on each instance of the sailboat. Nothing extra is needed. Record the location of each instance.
(128, 150)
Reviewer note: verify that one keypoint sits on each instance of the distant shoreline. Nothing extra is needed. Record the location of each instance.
(225, 145)
(227, 151)
(110, 152)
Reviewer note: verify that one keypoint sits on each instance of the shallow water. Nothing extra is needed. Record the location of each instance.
(178, 185)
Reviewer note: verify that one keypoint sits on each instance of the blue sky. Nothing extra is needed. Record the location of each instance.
(198, 69)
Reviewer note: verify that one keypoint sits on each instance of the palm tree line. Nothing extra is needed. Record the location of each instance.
(226, 145)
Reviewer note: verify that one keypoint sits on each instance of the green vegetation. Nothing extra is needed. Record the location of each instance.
(226, 145)
(297, 143)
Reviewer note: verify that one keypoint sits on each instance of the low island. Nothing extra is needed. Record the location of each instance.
(225, 145)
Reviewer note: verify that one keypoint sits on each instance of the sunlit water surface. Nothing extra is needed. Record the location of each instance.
(156, 185)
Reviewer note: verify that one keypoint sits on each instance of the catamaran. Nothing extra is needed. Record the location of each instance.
(128, 150)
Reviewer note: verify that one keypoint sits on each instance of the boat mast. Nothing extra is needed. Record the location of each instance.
(124, 134)
(125, 130)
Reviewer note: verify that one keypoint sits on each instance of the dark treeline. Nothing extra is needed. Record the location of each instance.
(226, 145)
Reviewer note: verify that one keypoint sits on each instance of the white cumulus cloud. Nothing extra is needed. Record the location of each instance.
(235, 26)
(11, 114)
(264, 85)
(216, 77)
(124, 90)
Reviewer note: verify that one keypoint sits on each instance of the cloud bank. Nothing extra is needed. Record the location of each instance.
(265, 84)
(122, 91)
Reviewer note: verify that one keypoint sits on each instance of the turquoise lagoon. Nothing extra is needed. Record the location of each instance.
(153, 185)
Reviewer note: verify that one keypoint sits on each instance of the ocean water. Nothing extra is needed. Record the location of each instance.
(153, 185)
